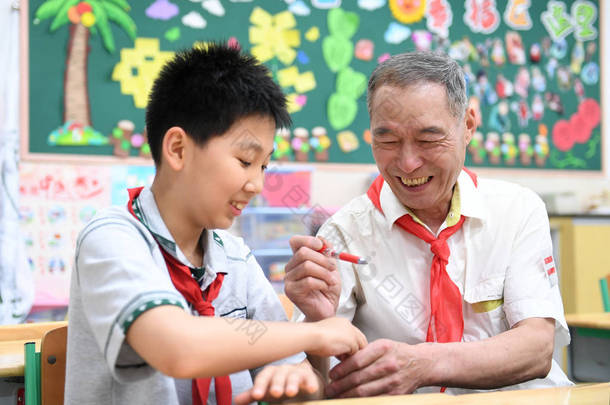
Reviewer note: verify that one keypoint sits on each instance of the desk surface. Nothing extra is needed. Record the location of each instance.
(12, 357)
(12, 339)
(599, 320)
(591, 394)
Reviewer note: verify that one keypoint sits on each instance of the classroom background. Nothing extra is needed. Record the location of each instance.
(74, 81)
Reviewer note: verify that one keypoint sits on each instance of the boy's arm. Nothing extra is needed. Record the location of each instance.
(185, 346)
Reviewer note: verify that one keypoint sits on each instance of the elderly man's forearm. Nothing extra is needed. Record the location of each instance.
(520, 354)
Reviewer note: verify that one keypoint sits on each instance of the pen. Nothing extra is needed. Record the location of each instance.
(341, 255)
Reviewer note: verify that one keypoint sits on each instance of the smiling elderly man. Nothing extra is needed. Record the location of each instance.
(460, 292)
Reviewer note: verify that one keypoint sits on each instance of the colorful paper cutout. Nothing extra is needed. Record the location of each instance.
(364, 49)
(514, 48)
(75, 134)
(371, 5)
(299, 8)
(320, 142)
(213, 7)
(408, 11)
(517, 16)
(312, 34)
(584, 14)
(396, 33)
(351, 83)
(194, 20)
(302, 57)
(383, 57)
(342, 23)
(348, 141)
(556, 20)
(300, 144)
(579, 128)
(590, 73)
(274, 36)
(439, 17)
(341, 110)
(482, 16)
(578, 57)
(291, 103)
(337, 52)
(162, 10)
(287, 77)
(422, 40)
(305, 82)
(146, 60)
(172, 34)
(325, 4)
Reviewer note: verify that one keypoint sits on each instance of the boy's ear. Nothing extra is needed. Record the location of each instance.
(174, 147)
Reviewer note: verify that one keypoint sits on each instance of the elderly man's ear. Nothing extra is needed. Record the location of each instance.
(470, 124)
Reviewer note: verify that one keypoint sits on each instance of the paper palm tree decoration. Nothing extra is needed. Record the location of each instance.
(85, 17)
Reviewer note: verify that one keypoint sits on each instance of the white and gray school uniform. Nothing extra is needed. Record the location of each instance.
(119, 273)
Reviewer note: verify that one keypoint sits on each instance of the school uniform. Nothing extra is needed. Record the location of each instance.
(500, 260)
(119, 273)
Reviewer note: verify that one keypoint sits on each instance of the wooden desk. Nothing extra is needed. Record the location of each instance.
(576, 395)
(12, 339)
(589, 350)
(600, 320)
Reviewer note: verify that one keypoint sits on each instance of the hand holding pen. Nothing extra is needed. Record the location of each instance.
(348, 257)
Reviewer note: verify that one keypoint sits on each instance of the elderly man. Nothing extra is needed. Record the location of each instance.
(460, 292)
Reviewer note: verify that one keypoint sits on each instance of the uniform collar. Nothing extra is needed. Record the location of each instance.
(469, 200)
(214, 258)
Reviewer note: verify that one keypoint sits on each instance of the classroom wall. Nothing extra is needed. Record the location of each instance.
(572, 193)
(334, 185)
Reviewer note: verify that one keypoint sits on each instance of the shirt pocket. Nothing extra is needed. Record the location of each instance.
(484, 309)
(237, 313)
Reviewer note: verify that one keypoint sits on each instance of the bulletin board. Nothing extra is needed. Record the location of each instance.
(533, 71)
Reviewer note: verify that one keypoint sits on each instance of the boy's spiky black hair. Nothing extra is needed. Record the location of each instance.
(206, 90)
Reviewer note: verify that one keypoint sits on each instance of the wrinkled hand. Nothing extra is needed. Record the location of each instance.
(279, 383)
(312, 281)
(335, 337)
(384, 367)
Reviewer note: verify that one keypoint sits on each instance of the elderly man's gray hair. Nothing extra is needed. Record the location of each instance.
(413, 68)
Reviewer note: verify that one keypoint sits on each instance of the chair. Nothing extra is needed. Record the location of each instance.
(45, 370)
(287, 304)
(604, 283)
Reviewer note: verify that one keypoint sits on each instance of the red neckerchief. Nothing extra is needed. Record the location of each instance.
(446, 319)
(202, 302)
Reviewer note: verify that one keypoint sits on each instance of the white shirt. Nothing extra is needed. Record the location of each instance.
(119, 274)
(497, 262)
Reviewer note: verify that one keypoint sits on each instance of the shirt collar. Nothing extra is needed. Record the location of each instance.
(214, 258)
(467, 202)
(471, 199)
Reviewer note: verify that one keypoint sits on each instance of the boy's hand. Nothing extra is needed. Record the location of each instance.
(336, 337)
(312, 281)
(280, 383)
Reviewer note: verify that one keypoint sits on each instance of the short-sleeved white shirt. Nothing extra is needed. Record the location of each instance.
(497, 262)
(120, 273)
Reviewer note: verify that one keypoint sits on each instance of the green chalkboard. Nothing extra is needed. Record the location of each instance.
(537, 112)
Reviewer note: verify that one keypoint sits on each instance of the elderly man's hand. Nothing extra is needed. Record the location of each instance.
(312, 281)
(384, 367)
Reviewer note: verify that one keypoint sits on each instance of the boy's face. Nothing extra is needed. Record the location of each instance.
(228, 171)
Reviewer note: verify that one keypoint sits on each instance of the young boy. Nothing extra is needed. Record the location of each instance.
(161, 299)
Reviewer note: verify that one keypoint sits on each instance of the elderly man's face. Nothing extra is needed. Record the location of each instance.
(419, 146)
